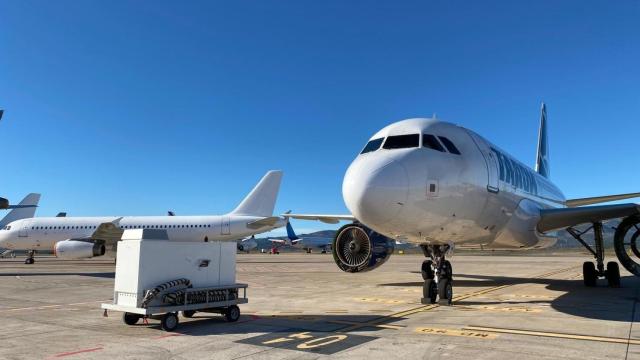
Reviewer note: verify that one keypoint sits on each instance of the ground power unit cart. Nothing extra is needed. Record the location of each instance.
(157, 278)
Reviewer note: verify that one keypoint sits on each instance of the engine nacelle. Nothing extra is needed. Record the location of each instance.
(4, 203)
(78, 249)
(357, 248)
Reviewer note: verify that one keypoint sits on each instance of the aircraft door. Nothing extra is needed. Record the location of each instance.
(491, 161)
(225, 228)
(24, 229)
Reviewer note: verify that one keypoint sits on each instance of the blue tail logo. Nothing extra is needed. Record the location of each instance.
(290, 233)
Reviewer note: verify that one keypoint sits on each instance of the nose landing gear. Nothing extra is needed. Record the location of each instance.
(437, 274)
(30, 260)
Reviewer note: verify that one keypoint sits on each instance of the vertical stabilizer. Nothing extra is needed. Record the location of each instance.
(27, 209)
(262, 199)
(542, 158)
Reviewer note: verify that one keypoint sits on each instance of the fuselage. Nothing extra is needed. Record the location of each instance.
(428, 181)
(42, 233)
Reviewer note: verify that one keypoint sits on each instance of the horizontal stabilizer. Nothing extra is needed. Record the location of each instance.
(553, 219)
(600, 199)
(328, 219)
(268, 221)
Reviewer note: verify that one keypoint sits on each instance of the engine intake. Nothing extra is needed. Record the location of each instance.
(78, 249)
(357, 248)
(626, 241)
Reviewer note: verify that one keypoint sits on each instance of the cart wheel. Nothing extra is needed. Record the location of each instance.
(232, 313)
(188, 313)
(169, 321)
(130, 318)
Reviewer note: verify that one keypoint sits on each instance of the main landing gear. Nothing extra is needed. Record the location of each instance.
(590, 271)
(437, 274)
(30, 260)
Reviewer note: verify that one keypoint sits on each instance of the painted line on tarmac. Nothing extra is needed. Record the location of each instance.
(394, 316)
(555, 335)
(45, 307)
(497, 308)
(65, 354)
(455, 332)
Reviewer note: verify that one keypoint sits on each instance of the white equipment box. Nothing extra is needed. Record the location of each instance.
(146, 259)
(174, 276)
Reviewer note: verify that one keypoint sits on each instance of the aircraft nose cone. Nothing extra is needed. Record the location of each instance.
(375, 195)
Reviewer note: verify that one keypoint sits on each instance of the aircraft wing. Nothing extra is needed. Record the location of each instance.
(553, 219)
(329, 219)
(110, 232)
(277, 241)
(599, 199)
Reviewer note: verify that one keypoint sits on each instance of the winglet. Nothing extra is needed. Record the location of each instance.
(542, 157)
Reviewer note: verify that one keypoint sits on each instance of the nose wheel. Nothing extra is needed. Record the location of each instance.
(30, 260)
(437, 274)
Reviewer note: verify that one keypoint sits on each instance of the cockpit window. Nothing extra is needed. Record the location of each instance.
(402, 141)
(452, 148)
(430, 141)
(372, 145)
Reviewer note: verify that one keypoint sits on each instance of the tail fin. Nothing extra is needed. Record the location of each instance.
(542, 158)
(27, 209)
(290, 233)
(262, 199)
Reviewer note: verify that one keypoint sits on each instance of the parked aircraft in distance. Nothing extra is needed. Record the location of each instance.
(307, 243)
(437, 184)
(248, 244)
(86, 237)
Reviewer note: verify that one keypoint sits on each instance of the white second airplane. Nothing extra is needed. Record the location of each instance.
(437, 184)
(86, 237)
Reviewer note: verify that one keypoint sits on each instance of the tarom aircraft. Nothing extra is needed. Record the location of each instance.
(308, 243)
(437, 184)
(86, 237)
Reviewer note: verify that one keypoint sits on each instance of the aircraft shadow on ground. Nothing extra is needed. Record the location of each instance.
(601, 302)
(205, 324)
(109, 275)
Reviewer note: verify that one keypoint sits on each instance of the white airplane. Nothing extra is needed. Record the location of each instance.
(247, 244)
(307, 243)
(86, 237)
(437, 184)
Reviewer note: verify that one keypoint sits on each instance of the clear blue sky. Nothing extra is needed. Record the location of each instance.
(137, 107)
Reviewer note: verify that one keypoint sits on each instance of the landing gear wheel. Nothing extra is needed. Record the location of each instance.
(445, 292)
(130, 318)
(29, 261)
(447, 270)
(232, 314)
(613, 274)
(429, 292)
(427, 270)
(589, 274)
(188, 313)
(169, 321)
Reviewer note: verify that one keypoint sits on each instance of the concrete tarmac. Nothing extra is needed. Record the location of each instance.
(302, 307)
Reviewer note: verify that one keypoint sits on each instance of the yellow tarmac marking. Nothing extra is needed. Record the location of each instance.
(45, 307)
(416, 310)
(381, 301)
(360, 324)
(555, 335)
(497, 308)
(453, 332)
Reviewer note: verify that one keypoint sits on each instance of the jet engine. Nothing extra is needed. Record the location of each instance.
(357, 248)
(4, 203)
(626, 241)
(78, 249)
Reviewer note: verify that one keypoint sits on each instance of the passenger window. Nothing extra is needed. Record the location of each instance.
(430, 141)
(402, 141)
(372, 145)
(452, 148)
